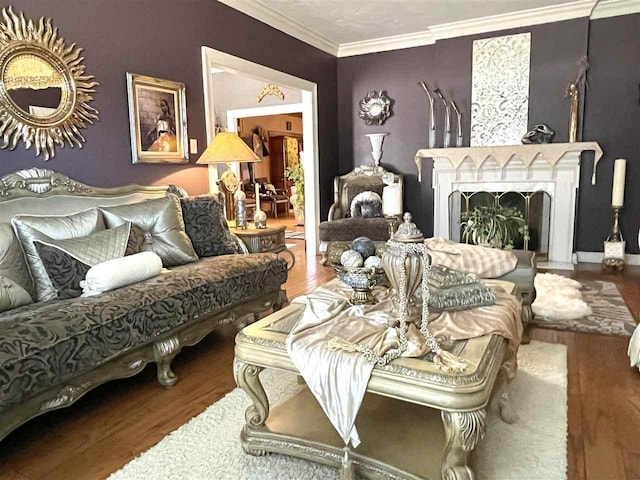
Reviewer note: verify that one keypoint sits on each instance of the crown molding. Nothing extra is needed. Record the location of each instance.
(535, 16)
(384, 44)
(614, 8)
(279, 21)
(524, 18)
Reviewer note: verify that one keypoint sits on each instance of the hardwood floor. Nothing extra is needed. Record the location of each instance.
(115, 422)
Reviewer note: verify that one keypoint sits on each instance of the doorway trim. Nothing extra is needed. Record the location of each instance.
(212, 58)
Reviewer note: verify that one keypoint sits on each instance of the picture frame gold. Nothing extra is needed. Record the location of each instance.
(157, 120)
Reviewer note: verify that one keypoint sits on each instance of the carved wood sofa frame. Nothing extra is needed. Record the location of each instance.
(44, 184)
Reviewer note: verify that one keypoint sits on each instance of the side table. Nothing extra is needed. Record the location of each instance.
(263, 240)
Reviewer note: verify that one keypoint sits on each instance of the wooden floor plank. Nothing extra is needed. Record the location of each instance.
(116, 422)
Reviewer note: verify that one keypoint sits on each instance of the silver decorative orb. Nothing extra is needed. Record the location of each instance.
(351, 258)
(373, 261)
(364, 246)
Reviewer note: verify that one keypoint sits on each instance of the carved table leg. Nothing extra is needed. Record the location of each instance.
(500, 391)
(164, 352)
(281, 302)
(463, 431)
(248, 379)
(527, 316)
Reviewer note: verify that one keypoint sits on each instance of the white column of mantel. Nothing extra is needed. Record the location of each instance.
(442, 183)
(563, 212)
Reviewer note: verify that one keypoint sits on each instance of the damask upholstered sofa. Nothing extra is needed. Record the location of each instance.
(54, 351)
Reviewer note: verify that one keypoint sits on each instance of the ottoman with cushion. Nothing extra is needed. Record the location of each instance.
(59, 339)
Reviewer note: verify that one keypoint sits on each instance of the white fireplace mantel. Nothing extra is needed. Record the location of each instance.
(553, 168)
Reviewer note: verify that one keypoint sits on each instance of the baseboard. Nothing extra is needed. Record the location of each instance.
(596, 257)
(556, 265)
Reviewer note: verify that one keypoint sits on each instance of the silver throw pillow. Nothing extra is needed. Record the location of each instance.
(16, 286)
(32, 227)
(12, 295)
(68, 261)
(161, 221)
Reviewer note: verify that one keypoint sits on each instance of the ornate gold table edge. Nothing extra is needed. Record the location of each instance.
(462, 404)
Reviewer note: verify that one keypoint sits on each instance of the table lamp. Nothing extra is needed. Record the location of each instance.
(228, 148)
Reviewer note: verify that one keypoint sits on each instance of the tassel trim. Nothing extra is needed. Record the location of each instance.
(347, 470)
(449, 362)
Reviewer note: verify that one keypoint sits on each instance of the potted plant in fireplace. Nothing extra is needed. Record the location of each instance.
(296, 175)
(494, 226)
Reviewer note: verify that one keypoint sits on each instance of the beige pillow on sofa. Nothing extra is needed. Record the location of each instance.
(16, 286)
(161, 221)
(33, 227)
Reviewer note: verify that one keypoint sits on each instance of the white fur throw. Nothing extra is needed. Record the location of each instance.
(366, 196)
(634, 349)
(121, 272)
(559, 298)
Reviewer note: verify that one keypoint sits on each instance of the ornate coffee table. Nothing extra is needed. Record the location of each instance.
(415, 421)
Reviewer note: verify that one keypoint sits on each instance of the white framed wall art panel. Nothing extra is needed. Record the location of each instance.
(500, 90)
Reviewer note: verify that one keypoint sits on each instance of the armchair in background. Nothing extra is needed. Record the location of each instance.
(341, 227)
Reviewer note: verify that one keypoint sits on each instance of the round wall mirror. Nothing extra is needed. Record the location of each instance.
(44, 91)
(33, 85)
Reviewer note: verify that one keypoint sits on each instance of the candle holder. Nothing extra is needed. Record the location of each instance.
(260, 219)
(614, 246)
(241, 210)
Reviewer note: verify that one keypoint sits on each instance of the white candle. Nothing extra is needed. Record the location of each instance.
(392, 200)
(619, 171)
(257, 197)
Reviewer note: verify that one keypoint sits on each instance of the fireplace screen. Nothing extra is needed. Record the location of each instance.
(501, 219)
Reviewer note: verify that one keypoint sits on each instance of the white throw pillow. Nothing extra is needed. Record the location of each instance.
(366, 196)
(120, 272)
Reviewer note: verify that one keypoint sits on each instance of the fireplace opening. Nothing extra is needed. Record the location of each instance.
(519, 220)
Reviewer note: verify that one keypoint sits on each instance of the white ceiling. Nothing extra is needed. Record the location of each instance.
(352, 27)
(346, 21)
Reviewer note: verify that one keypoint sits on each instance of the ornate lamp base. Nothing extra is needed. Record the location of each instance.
(228, 184)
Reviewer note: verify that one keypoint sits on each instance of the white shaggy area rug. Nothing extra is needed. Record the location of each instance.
(208, 446)
(559, 298)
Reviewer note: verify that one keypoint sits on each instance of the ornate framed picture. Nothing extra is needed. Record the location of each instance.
(157, 120)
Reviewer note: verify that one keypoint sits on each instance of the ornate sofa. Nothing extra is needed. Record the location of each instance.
(340, 227)
(53, 352)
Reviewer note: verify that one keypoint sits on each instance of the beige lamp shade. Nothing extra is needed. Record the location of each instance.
(227, 147)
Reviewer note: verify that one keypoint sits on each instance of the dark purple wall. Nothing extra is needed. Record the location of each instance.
(612, 117)
(556, 49)
(162, 38)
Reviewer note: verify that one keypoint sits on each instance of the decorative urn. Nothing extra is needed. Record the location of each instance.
(404, 248)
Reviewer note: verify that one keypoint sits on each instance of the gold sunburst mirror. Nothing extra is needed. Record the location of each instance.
(44, 91)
